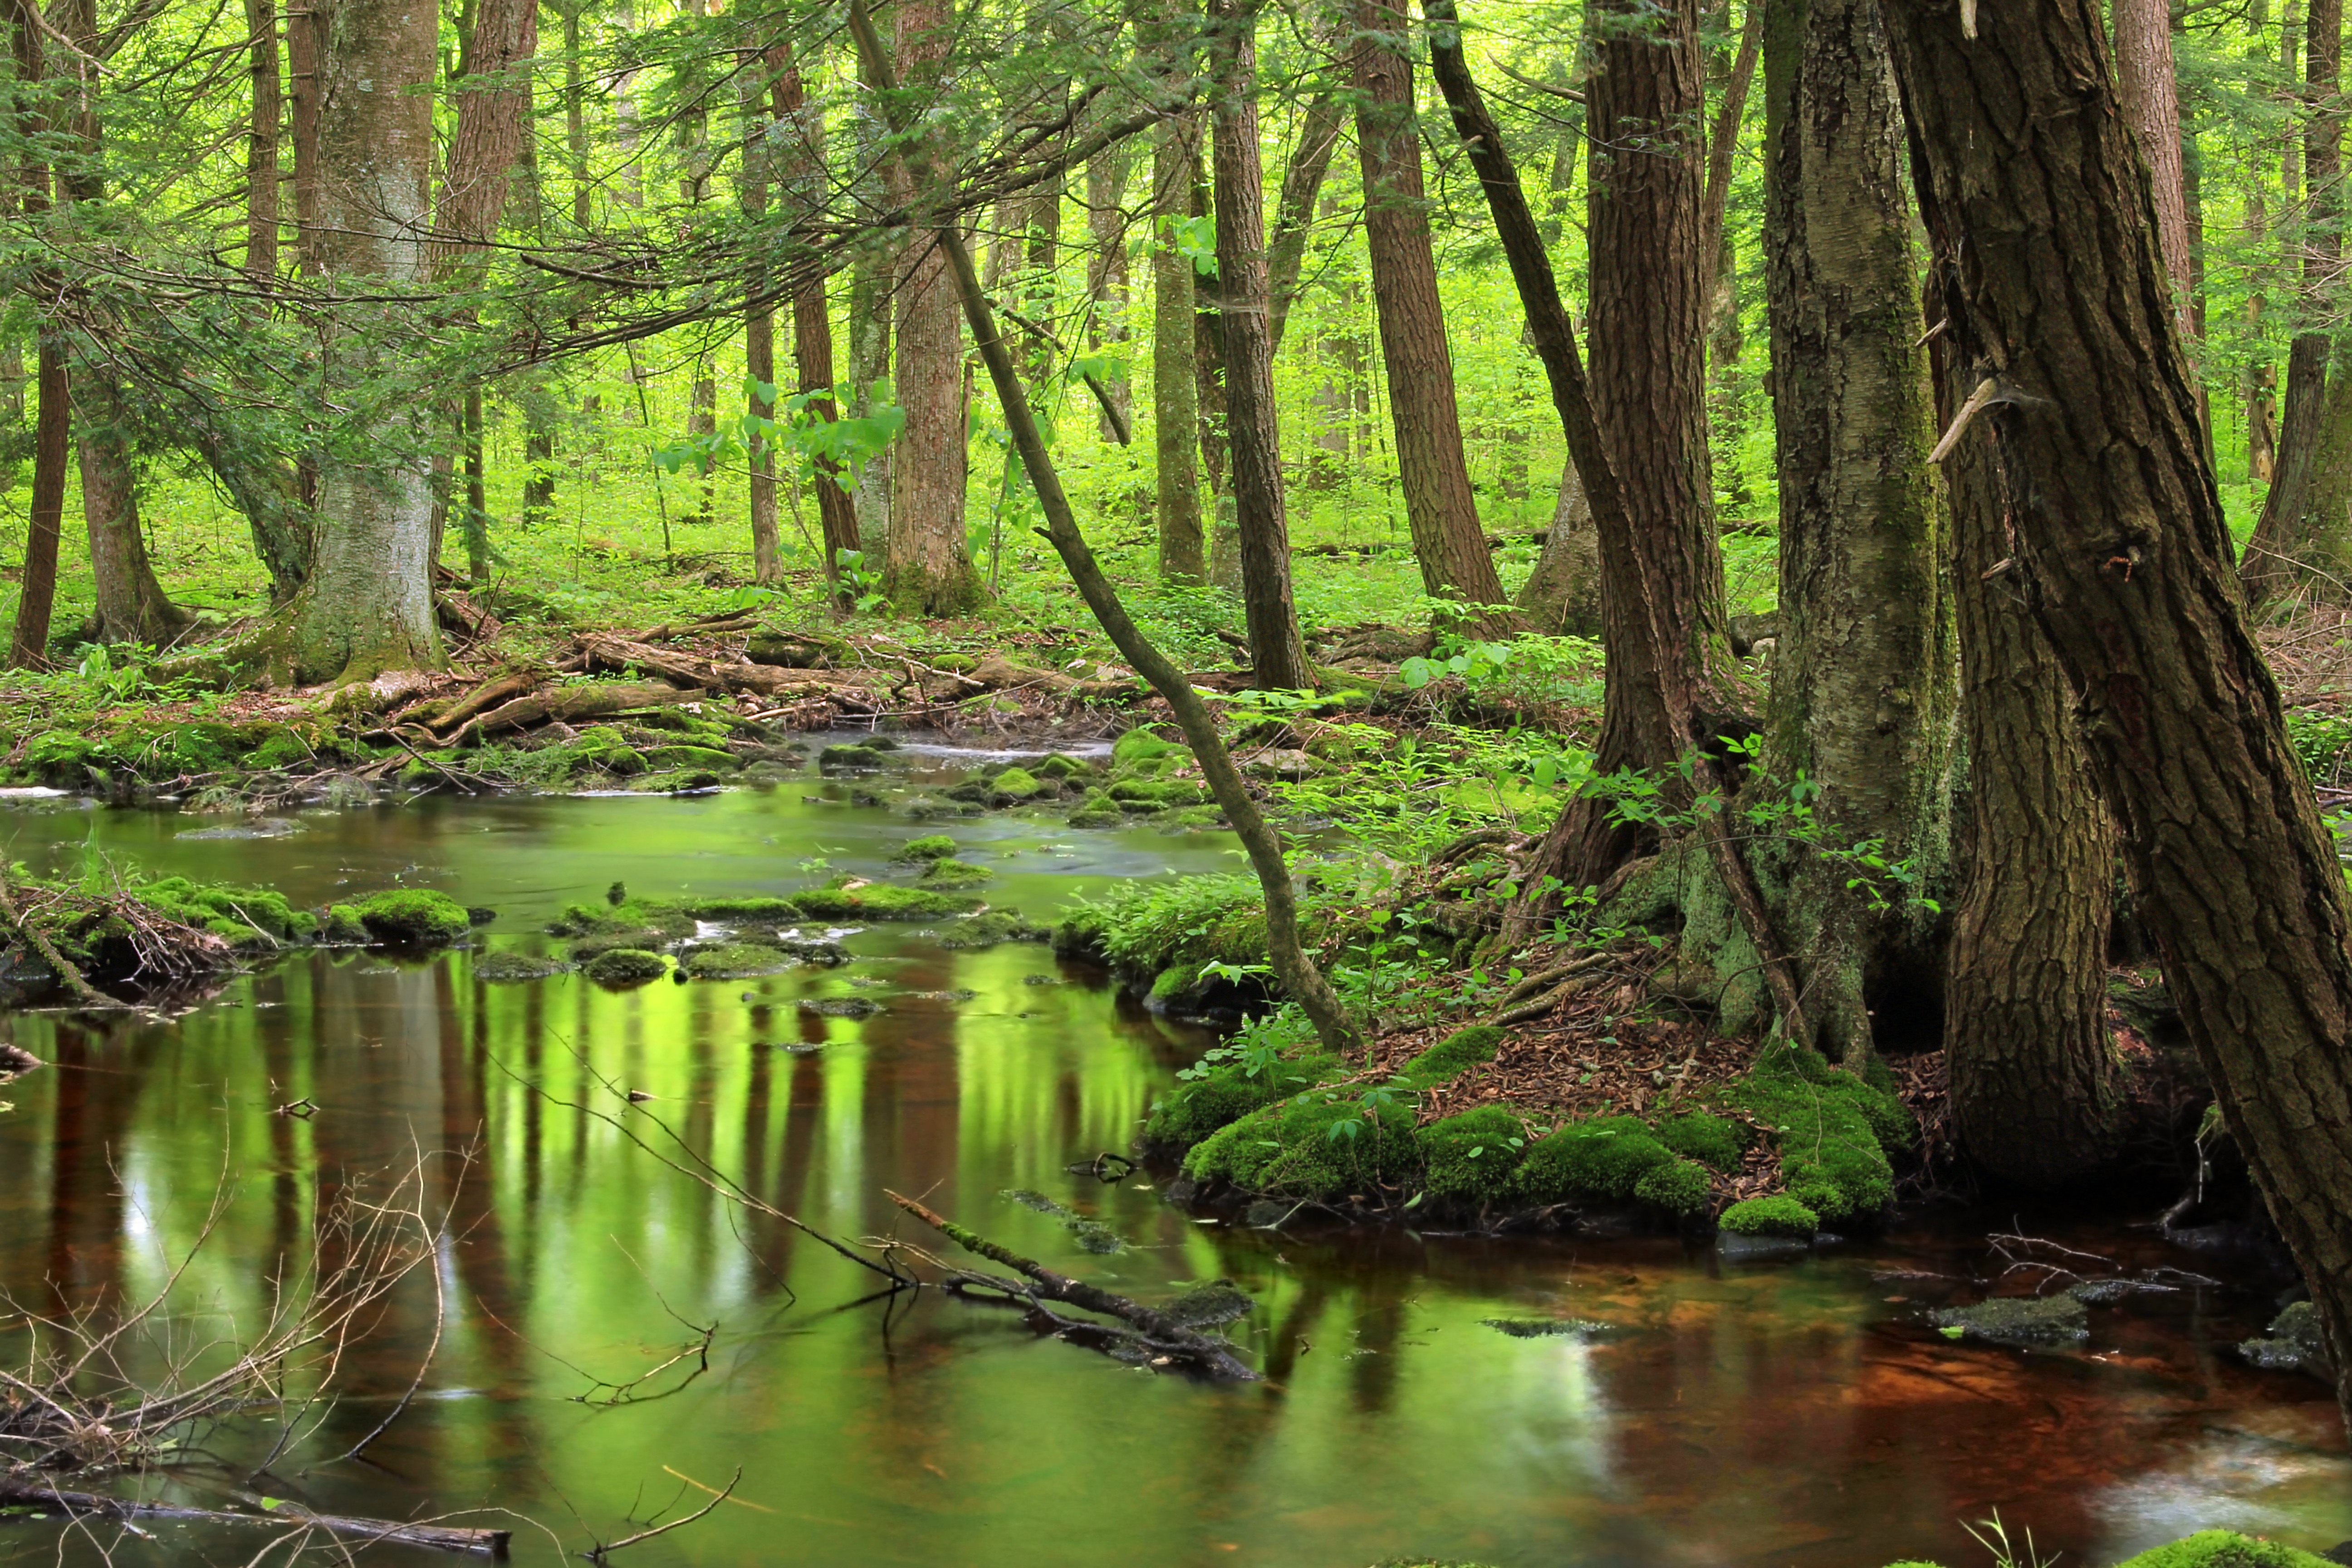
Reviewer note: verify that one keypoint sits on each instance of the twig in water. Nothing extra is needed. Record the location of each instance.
(598, 1552)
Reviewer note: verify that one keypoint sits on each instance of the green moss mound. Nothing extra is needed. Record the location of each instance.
(933, 846)
(1833, 1129)
(1058, 767)
(1098, 811)
(602, 750)
(418, 917)
(948, 873)
(1140, 750)
(748, 909)
(1605, 1158)
(2224, 1548)
(513, 968)
(1678, 1186)
(1474, 1157)
(1017, 783)
(1716, 1141)
(622, 967)
(1274, 1057)
(242, 917)
(1295, 1148)
(736, 961)
(1779, 1214)
(1456, 1053)
(2019, 1322)
(881, 901)
(340, 927)
(990, 930)
(646, 922)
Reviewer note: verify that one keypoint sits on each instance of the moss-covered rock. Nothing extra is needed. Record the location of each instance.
(2225, 1549)
(600, 750)
(622, 966)
(1224, 1090)
(735, 960)
(1474, 1157)
(2018, 1322)
(1156, 794)
(749, 908)
(2293, 1343)
(705, 758)
(1318, 1145)
(1142, 750)
(1834, 1129)
(1679, 1187)
(340, 927)
(1016, 784)
(249, 918)
(1716, 1141)
(1778, 1215)
(681, 781)
(1098, 811)
(990, 930)
(948, 873)
(881, 901)
(650, 922)
(416, 917)
(849, 759)
(1059, 766)
(933, 847)
(511, 968)
(1605, 1158)
(1449, 1057)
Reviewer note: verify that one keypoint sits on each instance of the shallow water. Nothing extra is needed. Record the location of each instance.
(1794, 1414)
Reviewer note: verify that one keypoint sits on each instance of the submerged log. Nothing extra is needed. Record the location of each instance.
(434, 1537)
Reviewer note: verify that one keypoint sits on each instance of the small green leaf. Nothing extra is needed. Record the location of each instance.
(1953, 1333)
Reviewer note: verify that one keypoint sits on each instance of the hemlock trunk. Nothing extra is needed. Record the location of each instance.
(1175, 405)
(2046, 259)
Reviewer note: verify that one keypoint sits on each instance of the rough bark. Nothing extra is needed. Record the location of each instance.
(1277, 652)
(2275, 552)
(306, 32)
(1294, 209)
(1862, 700)
(2045, 250)
(261, 142)
(2151, 107)
(366, 608)
(37, 586)
(131, 604)
(1175, 153)
(926, 568)
(802, 127)
(1441, 510)
(1562, 594)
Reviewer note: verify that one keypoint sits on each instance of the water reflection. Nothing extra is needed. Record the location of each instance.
(1787, 1416)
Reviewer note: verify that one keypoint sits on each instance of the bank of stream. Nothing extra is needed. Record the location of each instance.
(1800, 1412)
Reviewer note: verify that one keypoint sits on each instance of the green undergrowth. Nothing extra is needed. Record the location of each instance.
(2205, 1549)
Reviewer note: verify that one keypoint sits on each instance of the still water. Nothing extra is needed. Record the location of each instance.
(1797, 1413)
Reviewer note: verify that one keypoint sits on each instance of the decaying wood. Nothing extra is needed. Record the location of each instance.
(575, 703)
(1161, 1333)
(434, 1537)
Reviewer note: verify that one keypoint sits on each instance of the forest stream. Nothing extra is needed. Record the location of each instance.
(1797, 1413)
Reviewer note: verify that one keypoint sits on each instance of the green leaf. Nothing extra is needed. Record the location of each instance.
(1953, 1332)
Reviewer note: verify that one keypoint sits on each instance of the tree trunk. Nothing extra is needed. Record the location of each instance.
(1109, 284)
(131, 604)
(2046, 253)
(804, 129)
(366, 608)
(261, 143)
(2261, 374)
(1440, 508)
(37, 586)
(2273, 554)
(1320, 125)
(306, 33)
(2151, 107)
(1863, 700)
(1562, 594)
(1277, 652)
(927, 570)
(1175, 406)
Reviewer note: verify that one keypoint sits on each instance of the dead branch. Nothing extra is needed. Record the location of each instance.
(479, 1542)
(597, 1553)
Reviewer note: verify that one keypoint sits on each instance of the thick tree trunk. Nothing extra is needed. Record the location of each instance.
(1277, 652)
(131, 604)
(37, 586)
(927, 570)
(1862, 701)
(1175, 396)
(1562, 594)
(1440, 508)
(261, 142)
(2274, 556)
(366, 608)
(2048, 264)
(2151, 107)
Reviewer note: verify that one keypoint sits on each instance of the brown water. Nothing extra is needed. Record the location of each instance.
(1796, 1413)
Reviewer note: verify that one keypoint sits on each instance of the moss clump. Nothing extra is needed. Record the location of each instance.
(991, 929)
(2018, 1322)
(881, 901)
(2224, 1548)
(702, 757)
(602, 750)
(935, 847)
(1679, 1187)
(242, 917)
(650, 922)
(750, 908)
(838, 759)
(1058, 767)
(1017, 783)
(948, 873)
(509, 968)
(626, 966)
(2293, 1343)
(1274, 1057)
(418, 917)
(1603, 1158)
(1142, 750)
(735, 960)
(1474, 1157)
(1174, 980)
(1779, 1214)
(1455, 1053)
(1157, 795)
(1100, 811)
(340, 927)
(1303, 1147)
(681, 781)
(1716, 1141)
(1834, 1129)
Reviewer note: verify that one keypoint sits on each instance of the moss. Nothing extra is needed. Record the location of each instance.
(1455, 1053)
(1298, 1148)
(881, 901)
(2291, 1344)
(636, 922)
(935, 847)
(282, 746)
(1100, 811)
(1156, 794)
(626, 966)
(991, 929)
(243, 917)
(1017, 783)
(1174, 980)
(1713, 1140)
(508, 968)
(1605, 1158)
(1680, 1186)
(702, 757)
(1225, 1092)
(1779, 1214)
(416, 916)
(1833, 1129)
(1058, 767)
(835, 759)
(749, 908)
(2018, 1322)
(1474, 1156)
(2224, 1548)
(599, 750)
(676, 782)
(735, 960)
(1140, 749)
(340, 927)
(950, 873)
(1142, 928)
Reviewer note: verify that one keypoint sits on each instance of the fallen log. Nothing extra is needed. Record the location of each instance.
(686, 670)
(573, 704)
(997, 673)
(1161, 1332)
(434, 1537)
